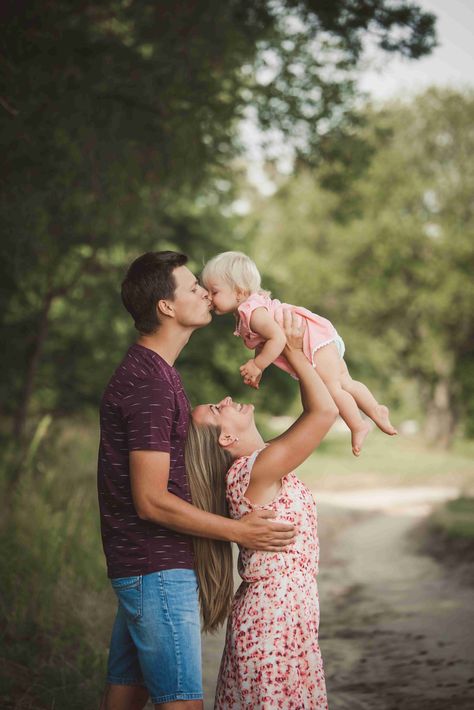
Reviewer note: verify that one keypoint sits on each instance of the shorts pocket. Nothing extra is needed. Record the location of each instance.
(129, 591)
(180, 590)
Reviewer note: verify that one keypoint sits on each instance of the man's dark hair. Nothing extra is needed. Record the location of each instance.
(150, 279)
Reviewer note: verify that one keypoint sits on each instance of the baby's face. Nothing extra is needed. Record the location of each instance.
(223, 296)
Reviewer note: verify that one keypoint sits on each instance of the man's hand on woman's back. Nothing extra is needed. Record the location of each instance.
(259, 532)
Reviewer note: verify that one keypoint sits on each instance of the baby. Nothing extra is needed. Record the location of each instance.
(233, 282)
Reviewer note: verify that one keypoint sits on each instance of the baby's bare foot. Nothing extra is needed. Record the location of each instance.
(382, 419)
(358, 438)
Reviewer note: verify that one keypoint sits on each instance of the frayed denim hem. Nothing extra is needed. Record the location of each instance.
(176, 696)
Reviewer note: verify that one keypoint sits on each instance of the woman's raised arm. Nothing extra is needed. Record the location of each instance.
(291, 448)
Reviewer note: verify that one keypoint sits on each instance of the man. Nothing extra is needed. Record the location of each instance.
(146, 513)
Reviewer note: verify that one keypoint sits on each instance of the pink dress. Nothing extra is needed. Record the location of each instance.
(319, 330)
(271, 656)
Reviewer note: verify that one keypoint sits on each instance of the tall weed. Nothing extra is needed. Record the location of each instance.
(55, 602)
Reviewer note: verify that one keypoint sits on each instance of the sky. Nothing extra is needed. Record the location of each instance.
(386, 76)
(451, 63)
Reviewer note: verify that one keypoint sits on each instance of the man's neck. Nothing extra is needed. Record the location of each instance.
(166, 342)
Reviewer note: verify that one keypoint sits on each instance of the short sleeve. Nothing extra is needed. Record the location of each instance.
(256, 300)
(148, 412)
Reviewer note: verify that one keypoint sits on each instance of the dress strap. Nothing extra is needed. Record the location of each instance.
(252, 457)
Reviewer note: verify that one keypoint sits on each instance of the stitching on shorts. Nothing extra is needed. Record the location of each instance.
(176, 696)
(138, 586)
(175, 639)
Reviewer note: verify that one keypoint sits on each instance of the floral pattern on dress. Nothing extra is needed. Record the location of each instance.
(271, 656)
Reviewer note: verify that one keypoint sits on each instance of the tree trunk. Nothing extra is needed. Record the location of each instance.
(21, 416)
(440, 421)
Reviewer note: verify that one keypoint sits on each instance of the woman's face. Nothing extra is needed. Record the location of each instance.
(232, 417)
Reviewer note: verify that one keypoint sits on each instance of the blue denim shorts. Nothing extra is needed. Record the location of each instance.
(156, 638)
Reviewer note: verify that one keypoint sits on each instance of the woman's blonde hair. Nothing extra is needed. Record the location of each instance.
(206, 466)
(234, 268)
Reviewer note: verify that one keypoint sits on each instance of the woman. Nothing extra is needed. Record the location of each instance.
(271, 657)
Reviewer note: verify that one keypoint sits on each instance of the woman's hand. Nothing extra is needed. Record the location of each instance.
(294, 328)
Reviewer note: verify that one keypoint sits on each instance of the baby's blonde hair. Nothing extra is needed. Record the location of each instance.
(234, 268)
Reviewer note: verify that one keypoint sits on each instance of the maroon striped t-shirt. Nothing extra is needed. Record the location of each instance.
(144, 407)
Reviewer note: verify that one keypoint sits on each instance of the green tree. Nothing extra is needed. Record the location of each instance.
(119, 127)
(395, 273)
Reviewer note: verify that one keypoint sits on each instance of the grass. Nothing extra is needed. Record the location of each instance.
(448, 535)
(388, 462)
(455, 519)
(399, 462)
(56, 606)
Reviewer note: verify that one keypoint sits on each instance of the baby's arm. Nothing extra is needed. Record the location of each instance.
(262, 323)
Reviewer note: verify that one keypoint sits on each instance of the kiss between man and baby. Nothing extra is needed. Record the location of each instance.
(177, 486)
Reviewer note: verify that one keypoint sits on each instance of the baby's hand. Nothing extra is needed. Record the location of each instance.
(251, 373)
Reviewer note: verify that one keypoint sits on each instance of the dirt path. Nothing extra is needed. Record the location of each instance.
(397, 629)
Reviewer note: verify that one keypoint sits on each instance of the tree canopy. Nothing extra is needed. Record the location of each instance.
(395, 275)
(119, 129)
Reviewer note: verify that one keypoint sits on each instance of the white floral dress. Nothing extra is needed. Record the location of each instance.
(271, 657)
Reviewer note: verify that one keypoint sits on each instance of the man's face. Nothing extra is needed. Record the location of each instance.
(191, 303)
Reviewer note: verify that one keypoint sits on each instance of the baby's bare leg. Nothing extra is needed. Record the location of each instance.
(327, 363)
(366, 401)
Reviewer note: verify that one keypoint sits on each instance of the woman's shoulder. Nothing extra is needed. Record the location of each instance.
(238, 465)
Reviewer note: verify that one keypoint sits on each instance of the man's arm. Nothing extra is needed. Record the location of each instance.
(149, 472)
